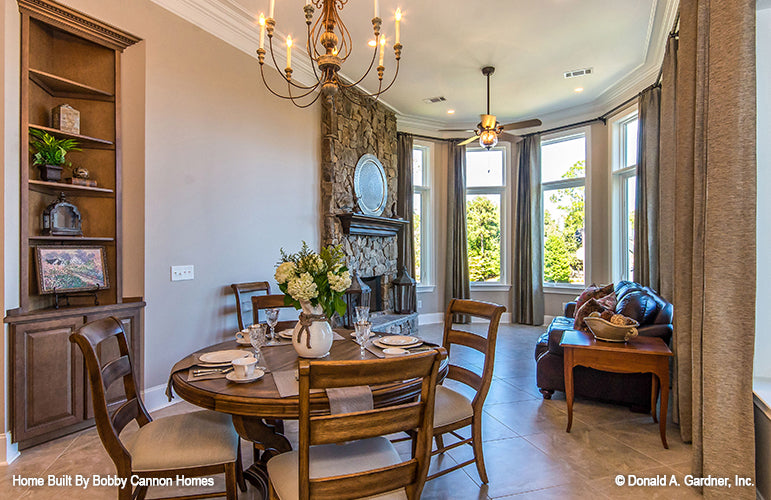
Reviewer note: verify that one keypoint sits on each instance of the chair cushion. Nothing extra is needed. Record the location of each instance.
(450, 407)
(181, 441)
(334, 460)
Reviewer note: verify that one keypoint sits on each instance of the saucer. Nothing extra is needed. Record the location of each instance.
(286, 334)
(394, 351)
(243, 341)
(257, 375)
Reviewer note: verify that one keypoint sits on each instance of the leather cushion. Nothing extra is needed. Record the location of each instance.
(181, 441)
(639, 306)
(334, 460)
(450, 407)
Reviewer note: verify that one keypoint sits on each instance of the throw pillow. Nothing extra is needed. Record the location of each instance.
(588, 308)
(608, 301)
(592, 292)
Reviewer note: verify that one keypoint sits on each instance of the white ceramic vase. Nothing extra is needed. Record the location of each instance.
(319, 331)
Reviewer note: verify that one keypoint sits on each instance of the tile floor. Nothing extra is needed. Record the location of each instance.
(527, 451)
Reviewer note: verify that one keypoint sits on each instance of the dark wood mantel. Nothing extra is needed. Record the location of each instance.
(370, 225)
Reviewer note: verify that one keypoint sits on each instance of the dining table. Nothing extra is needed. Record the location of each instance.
(258, 409)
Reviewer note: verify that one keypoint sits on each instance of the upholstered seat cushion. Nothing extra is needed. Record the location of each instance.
(181, 441)
(334, 460)
(450, 407)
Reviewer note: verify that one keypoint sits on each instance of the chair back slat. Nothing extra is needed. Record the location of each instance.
(262, 302)
(325, 428)
(114, 370)
(486, 345)
(366, 424)
(102, 374)
(374, 482)
(243, 292)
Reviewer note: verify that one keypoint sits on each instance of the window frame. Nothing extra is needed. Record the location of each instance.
(504, 283)
(427, 210)
(619, 178)
(586, 181)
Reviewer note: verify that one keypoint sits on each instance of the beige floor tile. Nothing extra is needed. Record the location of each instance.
(576, 490)
(644, 437)
(533, 416)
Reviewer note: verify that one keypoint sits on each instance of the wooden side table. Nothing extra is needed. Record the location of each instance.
(639, 355)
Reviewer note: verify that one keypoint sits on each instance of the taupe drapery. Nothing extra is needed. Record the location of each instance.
(707, 199)
(404, 201)
(456, 276)
(527, 252)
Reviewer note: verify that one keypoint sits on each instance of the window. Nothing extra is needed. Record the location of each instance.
(624, 132)
(485, 213)
(421, 204)
(563, 184)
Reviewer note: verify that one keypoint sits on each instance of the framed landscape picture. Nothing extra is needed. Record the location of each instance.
(63, 269)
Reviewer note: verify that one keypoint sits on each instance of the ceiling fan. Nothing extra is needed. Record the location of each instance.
(489, 129)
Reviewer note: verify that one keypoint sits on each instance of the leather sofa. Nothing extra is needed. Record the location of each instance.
(634, 390)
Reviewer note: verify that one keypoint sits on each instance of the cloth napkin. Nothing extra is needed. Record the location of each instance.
(349, 399)
(287, 384)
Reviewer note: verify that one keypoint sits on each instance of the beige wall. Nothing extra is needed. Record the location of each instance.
(217, 173)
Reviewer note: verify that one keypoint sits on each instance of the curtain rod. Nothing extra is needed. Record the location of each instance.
(425, 137)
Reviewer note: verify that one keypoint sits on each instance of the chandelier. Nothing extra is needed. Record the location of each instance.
(328, 46)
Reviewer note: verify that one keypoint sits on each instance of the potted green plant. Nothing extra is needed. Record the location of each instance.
(49, 154)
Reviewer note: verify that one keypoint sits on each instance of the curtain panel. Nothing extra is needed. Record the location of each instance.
(527, 253)
(456, 273)
(404, 202)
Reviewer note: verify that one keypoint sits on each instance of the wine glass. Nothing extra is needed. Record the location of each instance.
(271, 316)
(257, 339)
(362, 334)
(362, 314)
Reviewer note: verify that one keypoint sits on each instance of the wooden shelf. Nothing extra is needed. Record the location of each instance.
(57, 86)
(71, 238)
(57, 187)
(84, 140)
(369, 225)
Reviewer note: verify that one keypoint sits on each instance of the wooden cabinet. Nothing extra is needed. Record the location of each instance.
(51, 393)
(70, 58)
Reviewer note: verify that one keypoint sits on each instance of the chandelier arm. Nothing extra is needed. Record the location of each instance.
(294, 99)
(377, 94)
(310, 54)
(371, 63)
(291, 82)
(267, 86)
(346, 42)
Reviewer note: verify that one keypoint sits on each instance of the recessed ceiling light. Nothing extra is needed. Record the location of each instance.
(372, 43)
(578, 89)
(450, 111)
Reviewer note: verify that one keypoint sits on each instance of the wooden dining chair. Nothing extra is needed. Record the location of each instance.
(345, 456)
(453, 410)
(244, 293)
(201, 443)
(262, 302)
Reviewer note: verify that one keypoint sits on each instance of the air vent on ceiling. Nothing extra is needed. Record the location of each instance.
(434, 100)
(578, 72)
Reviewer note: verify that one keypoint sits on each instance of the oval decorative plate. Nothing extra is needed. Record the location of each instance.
(370, 185)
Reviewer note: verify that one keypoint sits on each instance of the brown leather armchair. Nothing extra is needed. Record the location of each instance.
(633, 300)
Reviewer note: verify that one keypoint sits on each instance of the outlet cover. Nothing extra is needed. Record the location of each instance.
(182, 273)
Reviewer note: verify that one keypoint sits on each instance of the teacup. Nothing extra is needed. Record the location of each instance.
(243, 335)
(244, 367)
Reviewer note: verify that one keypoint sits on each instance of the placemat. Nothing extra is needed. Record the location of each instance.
(377, 351)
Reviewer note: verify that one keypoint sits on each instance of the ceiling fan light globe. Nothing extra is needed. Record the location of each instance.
(488, 139)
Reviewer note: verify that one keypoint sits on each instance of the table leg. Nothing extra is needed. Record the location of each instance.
(255, 429)
(664, 382)
(654, 394)
(568, 368)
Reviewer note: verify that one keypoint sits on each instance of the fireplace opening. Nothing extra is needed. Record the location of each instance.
(375, 284)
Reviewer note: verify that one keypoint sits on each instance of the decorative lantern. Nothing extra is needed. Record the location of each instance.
(61, 218)
(358, 294)
(405, 290)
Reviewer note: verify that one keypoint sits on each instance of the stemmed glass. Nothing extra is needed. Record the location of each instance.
(362, 314)
(362, 334)
(271, 316)
(257, 339)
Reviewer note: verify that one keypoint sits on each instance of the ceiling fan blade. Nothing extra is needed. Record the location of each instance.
(469, 140)
(456, 130)
(505, 136)
(523, 124)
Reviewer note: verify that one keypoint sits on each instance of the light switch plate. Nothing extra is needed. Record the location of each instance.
(182, 273)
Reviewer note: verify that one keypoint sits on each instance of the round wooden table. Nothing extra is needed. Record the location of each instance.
(252, 404)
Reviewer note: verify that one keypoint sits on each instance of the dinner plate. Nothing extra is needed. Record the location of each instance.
(381, 345)
(257, 375)
(285, 334)
(243, 342)
(221, 357)
(399, 340)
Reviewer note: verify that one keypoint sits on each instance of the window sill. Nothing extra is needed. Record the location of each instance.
(563, 288)
(490, 287)
(426, 288)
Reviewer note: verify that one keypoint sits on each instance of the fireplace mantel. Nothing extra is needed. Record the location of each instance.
(369, 225)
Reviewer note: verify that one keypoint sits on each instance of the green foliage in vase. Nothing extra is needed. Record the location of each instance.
(318, 278)
(48, 150)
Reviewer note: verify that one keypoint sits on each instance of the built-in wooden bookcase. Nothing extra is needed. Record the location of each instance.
(67, 58)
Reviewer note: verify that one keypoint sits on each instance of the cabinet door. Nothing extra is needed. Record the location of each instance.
(108, 350)
(48, 377)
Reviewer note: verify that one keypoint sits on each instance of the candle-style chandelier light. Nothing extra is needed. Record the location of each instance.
(328, 46)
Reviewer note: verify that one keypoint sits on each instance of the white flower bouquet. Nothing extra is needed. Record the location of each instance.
(320, 279)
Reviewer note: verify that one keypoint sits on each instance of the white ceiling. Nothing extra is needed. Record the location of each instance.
(530, 43)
